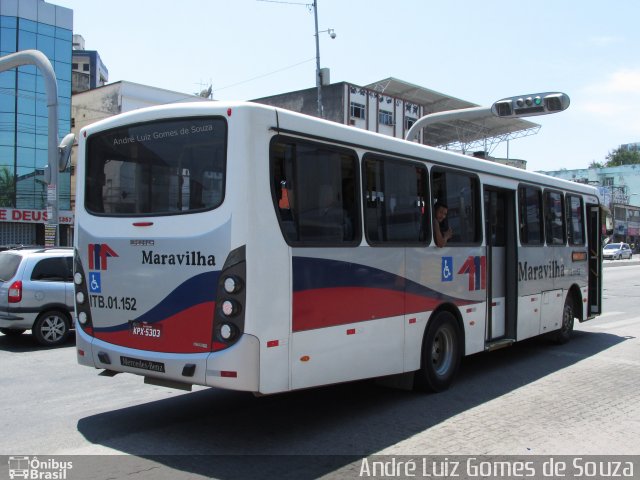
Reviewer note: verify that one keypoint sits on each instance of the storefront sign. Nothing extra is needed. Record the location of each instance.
(19, 215)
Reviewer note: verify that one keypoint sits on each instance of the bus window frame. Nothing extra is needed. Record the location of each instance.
(426, 216)
(477, 201)
(357, 222)
(545, 205)
(539, 190)
(225, 169)
(569, 217)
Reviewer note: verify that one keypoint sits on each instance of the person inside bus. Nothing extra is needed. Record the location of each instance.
(441, 231)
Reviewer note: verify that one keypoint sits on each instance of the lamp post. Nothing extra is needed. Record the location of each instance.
(332, 34)
(514, 107)
(42, 63)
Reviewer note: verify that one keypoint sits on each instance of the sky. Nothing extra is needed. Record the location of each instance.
(479, 51)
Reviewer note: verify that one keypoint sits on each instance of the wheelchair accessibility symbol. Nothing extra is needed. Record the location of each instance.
(95, 286)
(447, 269)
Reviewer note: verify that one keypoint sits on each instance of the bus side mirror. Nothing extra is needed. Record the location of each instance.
(64, 151)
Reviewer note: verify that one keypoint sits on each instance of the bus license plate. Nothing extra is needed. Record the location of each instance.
(145, 330)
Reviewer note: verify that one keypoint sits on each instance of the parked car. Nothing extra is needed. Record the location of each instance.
(616, 251)
(36, 293)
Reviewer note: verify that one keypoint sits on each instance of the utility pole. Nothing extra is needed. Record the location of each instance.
(318, 74)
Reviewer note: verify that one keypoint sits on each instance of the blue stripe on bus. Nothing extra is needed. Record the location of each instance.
(194, 291)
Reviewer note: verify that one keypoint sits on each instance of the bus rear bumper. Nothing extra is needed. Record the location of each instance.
(236, 368)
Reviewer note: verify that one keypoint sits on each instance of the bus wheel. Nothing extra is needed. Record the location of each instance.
(566, 328)
(440, 354)
(51, 328)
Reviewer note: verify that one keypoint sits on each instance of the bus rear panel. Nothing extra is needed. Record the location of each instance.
(154, 267)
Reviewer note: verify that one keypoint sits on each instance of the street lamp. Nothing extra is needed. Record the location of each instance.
(332, 34)
(513, 107)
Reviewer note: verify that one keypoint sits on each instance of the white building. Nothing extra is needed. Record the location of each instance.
(118, 97)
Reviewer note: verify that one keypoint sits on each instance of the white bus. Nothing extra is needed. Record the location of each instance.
(251, 248)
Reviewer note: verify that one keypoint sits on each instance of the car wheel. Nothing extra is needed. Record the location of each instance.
(51, 328)
(441, 354)
(10, 332)
(563, 335)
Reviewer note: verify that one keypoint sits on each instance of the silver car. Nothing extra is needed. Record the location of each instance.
(616, 251)
(36, 293)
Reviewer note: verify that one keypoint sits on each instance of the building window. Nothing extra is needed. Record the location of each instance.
(385, 117)
(357, 110)
(85, 67)
(408, 122)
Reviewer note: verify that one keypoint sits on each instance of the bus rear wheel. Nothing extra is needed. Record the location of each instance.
(441, 354)
(563, 335)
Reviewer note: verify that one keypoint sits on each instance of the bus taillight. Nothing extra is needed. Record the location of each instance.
(230, 301)
(82, 297)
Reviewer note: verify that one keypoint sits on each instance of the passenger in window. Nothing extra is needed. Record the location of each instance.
(441, 231)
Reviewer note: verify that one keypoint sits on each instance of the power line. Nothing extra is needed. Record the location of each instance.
(287, 3)
(266, 74)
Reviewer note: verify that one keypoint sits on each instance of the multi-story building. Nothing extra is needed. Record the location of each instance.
(631, 147)
(87, 69)
(27, 25)
(391, 106)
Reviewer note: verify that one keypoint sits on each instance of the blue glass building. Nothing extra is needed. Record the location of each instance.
(26, 25)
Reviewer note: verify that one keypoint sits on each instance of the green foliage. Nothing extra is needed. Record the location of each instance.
(7, 187)
(622, 156)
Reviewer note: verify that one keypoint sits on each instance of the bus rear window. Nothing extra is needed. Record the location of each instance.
(157, 168)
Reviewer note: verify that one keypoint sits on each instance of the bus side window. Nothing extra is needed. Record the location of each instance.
(461, 193)
(554, 218)
(530, 211)
(395, 201)
(314, 189)
(575, 222)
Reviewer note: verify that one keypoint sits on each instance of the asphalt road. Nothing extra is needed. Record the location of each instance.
(581, 398)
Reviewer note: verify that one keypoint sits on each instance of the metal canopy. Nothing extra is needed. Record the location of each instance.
(483, 133)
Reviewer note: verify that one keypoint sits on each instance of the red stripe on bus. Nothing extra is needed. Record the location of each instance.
(178, 333)
(328, 307)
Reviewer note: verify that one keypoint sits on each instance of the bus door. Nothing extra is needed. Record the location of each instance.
(500, 232)
(594, 237)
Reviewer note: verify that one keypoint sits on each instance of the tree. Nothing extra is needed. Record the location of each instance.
(621, 156)
(7, 187)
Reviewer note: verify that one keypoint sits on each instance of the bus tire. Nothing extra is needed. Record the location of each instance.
(441, 354)
(563, 335)
(51, 328)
